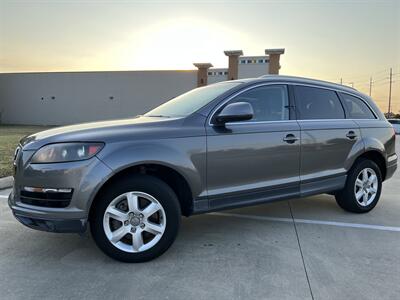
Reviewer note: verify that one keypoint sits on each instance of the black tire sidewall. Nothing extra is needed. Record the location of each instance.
(142, 183)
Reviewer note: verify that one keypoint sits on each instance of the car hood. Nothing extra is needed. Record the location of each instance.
(109, 131)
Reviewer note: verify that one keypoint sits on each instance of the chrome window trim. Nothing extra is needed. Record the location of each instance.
(292, 121)
(260, 122)
(319, 120)
(287, 84)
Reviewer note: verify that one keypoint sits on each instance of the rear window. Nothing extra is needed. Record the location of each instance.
(356, 108)
(316, 103)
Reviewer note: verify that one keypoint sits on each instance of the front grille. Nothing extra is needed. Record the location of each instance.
(49, 199)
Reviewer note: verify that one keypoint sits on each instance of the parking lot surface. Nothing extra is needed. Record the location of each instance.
(299, 249)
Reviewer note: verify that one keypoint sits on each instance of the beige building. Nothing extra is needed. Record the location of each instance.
(240, 66)
(59, 98)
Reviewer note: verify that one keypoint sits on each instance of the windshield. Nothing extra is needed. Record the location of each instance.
(191, 101)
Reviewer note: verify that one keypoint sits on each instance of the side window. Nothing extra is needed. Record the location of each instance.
(270, 103)
(356, 108)
(316, 103)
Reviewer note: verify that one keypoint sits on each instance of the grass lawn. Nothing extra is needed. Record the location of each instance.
(10, 135)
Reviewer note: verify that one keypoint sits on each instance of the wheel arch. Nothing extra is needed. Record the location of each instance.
(174, 179)
(377, 157)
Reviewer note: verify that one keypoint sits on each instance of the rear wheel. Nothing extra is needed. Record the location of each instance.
(136, 220)
(363, 187)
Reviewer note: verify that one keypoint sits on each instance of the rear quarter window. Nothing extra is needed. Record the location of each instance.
(356, 108)
(317, 103)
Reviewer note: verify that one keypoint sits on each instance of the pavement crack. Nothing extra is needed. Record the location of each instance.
(301, 251)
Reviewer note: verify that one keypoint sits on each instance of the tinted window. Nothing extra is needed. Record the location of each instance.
(270, 103)
(356, 108)
(316, 103)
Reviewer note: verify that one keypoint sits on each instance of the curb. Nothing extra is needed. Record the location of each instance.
(6, 182)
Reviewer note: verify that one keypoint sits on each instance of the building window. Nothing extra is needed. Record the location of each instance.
(225, 73)
(249, 61)
(242, 61)
(209, 73)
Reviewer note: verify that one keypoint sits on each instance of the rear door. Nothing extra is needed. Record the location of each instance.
(328, 139)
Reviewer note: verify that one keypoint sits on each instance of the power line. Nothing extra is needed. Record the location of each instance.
(374, 74)
(380, 80)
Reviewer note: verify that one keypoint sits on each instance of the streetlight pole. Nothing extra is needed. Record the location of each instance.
(370, 86)
(390, 90)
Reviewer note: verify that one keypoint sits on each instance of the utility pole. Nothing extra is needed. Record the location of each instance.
(370, 86)
(341, 81)
(390, 90)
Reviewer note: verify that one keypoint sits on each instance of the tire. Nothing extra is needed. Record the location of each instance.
(347, 198)
(130, 202)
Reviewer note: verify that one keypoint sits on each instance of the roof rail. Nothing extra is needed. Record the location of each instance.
(304, 78)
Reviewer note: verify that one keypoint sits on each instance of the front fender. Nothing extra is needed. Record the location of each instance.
(187, 156)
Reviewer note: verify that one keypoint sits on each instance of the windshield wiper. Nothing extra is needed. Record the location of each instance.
(157, 116)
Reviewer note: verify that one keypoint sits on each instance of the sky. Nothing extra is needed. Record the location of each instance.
(328, 40)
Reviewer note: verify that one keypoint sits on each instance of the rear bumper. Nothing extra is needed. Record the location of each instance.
(391, 166)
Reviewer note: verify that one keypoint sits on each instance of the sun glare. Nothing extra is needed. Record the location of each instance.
(176, 44)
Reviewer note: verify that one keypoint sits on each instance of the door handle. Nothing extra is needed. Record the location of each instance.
(290, 138)
(351, 135)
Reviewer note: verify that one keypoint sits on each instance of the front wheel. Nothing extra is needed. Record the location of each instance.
(363, 188)
(136, 220)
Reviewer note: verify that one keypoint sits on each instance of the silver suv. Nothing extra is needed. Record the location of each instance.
(226, 145)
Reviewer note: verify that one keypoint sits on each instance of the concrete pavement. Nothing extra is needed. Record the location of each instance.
(247, 253)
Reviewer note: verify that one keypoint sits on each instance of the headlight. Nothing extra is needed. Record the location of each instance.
(66, 152)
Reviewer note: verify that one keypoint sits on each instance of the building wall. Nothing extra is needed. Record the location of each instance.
(252, 66)
(248, 67)
(217, 75)
(75, 97)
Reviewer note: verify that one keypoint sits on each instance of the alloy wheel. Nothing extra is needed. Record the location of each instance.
(134, 222)
(366, 187)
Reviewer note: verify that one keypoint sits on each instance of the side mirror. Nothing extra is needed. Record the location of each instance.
(235, 112)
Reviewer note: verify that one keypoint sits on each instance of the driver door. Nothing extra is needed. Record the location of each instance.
(256, 160)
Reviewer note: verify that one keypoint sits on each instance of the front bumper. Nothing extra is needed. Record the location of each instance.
(62, 226)
(85, 178)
